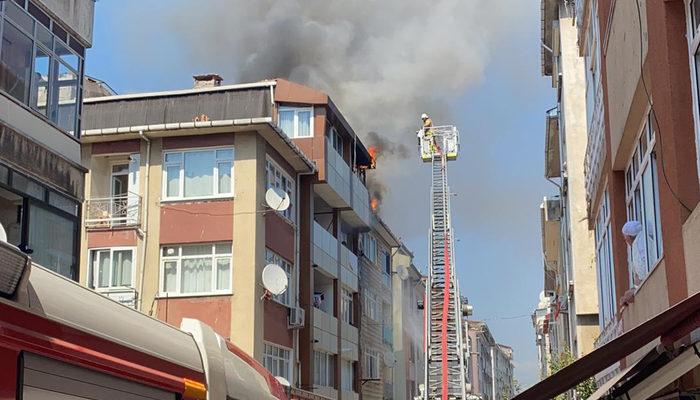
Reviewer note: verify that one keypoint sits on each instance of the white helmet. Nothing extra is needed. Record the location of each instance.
(424, 116)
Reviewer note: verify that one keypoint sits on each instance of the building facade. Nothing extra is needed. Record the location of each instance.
(568, 245)
(408, 322)
(642, 194)
(376, 332)
(490, 365)
(42, 54)
(177, 223)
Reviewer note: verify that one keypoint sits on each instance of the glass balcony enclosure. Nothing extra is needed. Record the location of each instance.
(41, 65)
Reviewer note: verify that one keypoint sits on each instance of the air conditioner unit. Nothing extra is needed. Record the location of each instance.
(552, 209)
(296, 318)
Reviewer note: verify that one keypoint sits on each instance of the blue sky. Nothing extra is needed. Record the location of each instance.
(498, 179)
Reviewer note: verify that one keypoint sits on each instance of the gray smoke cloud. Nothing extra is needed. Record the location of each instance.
(383, 62)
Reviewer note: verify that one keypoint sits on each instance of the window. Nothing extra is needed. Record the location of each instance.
(370, 306)
(297, 122)
(372, 364)
(386, 261)
(347, 375)
(196, 174)
(277, 178)
(369, 247)
(112, 267)
(323, 369)
(693, 23)
(38, 68)
(286, 297)
(346, 306)
(604, 263)
(45, 226)
(642, 199)
(336, 140)
(196, 269)
(278, 360)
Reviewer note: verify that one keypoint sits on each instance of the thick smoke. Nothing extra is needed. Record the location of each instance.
(383, 62)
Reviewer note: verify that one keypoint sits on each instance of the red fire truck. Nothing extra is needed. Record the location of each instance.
(59, 340)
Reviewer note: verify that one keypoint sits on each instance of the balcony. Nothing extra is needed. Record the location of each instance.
(325, 251)
(595, 149)
(113, 212)
(325, 331)
(344, 189)
(348, 268)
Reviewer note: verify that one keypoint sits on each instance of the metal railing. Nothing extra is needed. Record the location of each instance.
(113, 212)
(438, 140)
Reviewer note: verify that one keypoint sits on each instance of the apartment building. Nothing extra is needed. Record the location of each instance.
(480, 359)
(42, 53)
(568, 244)
(177, 225)
(543, 334)
(408, 322)
(641, 175)
(504, 385)
(376, 332)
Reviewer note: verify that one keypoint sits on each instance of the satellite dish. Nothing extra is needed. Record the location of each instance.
(284, 382)
(274, 279)
(277, 199)
(3, 234)
(402, 272)
(389, 358)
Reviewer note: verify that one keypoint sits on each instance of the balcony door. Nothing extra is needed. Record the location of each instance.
(124, 190)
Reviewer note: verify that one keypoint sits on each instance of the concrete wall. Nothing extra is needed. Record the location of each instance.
(76, 15)
(574, 137)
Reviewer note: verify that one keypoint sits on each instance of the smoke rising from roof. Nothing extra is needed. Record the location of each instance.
(383, 62)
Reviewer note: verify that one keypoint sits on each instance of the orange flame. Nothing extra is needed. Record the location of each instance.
(372, 150)
(374, 203)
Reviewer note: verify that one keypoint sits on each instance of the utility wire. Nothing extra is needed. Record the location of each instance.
(653, 113)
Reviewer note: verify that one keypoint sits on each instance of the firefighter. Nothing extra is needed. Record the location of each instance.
(427, 131)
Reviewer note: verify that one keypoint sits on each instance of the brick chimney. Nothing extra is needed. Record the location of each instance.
(207, 80)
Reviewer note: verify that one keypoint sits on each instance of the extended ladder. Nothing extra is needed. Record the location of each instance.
(445, 373)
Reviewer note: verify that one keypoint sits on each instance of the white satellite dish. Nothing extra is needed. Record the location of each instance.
(402, 272)
(284, 382)
(389, 359)
(274, 279)
(277, 199)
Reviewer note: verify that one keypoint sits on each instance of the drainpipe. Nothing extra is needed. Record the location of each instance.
(297, 273)
(144, 232)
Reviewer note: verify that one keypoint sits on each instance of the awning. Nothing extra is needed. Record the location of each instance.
(664, 323)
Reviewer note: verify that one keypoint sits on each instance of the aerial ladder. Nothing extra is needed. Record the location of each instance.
(445, 372)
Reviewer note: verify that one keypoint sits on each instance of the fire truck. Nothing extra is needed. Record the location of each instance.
(59, 340)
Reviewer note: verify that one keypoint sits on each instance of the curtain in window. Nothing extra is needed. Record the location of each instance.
(304, 123)
(287, 122)
(52, 237)
(223, 273)
(103, 268)
(121, 268)
(198, 173)
(224, 177)
(15, 63)
(196, 275)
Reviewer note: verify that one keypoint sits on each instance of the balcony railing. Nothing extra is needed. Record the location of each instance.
(360, 199)
(113, 212)
(325, 250)
(338, 173)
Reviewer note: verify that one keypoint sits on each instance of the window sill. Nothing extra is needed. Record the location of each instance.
(164, 296)
(115, 289)
(196, 199)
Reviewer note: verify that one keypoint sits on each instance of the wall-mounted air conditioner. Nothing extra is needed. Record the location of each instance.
(296, 318)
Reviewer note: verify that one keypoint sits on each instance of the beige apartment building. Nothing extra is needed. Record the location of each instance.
(641, 175)
(567, 244)
(176, 222)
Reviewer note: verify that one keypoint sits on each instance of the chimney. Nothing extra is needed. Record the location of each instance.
(207, 80)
